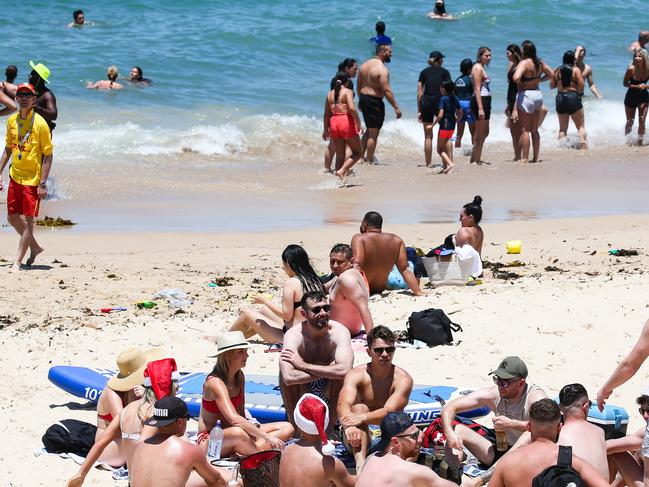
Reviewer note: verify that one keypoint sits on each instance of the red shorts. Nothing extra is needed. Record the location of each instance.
(341, 126)
(446, 134)
(21, 199)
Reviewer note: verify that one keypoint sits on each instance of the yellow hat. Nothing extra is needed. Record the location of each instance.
(131, 364)
(42, 70)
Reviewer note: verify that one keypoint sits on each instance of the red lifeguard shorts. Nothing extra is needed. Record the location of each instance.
(341, 126)
(21, 199)
(446, 134)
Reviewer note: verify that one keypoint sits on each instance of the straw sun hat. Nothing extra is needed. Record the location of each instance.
(131, 364)
(231, 340)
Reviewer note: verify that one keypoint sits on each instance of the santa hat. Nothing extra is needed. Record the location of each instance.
(312, 417)
(159, 374)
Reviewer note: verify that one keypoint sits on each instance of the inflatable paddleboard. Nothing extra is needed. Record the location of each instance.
(263, 398)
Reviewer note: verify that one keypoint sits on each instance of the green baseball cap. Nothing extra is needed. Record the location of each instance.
(509, 368)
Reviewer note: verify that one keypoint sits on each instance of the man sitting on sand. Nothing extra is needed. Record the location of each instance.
(586, 439)
(371, 391)
(166, 458)
(520, 467)
(509, 398)
(348, 293)
(310, 461)
(317, 355)
(376, 253)
(389, 466)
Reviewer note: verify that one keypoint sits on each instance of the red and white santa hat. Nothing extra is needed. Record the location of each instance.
(312, 417)
(159, 375)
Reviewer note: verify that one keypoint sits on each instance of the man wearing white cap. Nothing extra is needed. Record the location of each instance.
(45, 101)
(310, 461)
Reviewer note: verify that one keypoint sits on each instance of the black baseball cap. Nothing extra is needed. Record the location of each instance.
(436, 55)
(392, 425)
(166, 411)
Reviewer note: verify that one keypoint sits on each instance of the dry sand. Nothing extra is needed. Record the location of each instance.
(569, 325)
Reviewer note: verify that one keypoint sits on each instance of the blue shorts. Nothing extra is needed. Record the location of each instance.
(468, 116)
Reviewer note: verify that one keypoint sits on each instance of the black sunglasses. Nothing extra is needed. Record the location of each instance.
(24, 94)
(316, 309)
(412, 436)
(380, 350)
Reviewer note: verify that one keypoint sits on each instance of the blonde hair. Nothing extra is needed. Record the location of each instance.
(149, 398)
(112, 73)
(645, 58)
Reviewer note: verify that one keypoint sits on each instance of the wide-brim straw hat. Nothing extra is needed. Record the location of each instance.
(131, 364)
(232, 340)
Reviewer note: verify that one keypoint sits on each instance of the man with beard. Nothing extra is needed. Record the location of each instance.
(45, 99)
(316, 356)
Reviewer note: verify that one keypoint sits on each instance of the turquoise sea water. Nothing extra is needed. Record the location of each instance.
(236, 80)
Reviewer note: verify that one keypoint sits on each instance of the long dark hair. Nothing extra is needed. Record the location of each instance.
(566, 70)
(529, 52)
(341, 79)
(474, 209)
(516, 51)
(297, 259)
(346, 64)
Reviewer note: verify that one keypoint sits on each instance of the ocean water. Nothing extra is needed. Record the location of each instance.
(242, 81)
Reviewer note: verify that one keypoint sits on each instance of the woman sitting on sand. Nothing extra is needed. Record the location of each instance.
(109, 84)
(120, 391)
(637, 96)
(470, 232)
(272, 321)
(224, 400)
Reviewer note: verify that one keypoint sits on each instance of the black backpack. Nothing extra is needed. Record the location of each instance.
(70, 436)
(560, 475)
(432, 327)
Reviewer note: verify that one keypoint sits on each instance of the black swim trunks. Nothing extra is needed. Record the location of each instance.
(373, 110)
(486, 106)
(568, 103)
(429, 108)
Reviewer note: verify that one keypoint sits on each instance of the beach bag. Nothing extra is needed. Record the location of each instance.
(432, 327)
(70, 436)
(261, 469)
(434, 433)
(560, 475)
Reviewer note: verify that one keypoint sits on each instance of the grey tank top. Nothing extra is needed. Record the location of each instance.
(518, 410)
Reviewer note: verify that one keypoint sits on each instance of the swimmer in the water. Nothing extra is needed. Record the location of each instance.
(107, 84)
(137, 77)
(380, 37)
(641, 43)
(439, 12)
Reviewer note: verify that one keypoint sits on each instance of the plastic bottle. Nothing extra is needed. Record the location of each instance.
(215, 442)
(501, 440)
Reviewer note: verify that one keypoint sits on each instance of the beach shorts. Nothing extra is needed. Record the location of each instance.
(341, 126)
(467, 114)
(319, 388)
(645, 442)
(568, 103)
(373, 110)
(429, 108)
(486, 106)
(445, 134)
(22, 199)
(530, 101)
(634, 97)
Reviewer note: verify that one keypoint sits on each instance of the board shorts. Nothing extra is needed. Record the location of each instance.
(429, 108)
(486, 106)
(22, 199)
(373, 110)
(645, 442)
(529, 101)
(467, 114)
(445, 134)
(342, 126)
(568, 103)
(634, 97)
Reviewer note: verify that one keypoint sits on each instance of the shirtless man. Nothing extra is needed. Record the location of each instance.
(9, 87)
(586, 439)
(586, 70)
(389, 467)
(519, 467)
(316, 356)
(78, 19)
(311, 458)
(165, 459)
(373, 85)
(371, 391)
(641, 43)
(375, 253)
(348, 293)
(509, 398)
(45, 101)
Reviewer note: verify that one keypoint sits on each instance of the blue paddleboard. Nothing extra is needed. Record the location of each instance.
(263, 398)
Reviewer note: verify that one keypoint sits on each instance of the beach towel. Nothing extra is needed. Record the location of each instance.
(466, 252)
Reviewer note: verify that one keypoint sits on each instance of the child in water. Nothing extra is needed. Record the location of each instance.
(449, 112)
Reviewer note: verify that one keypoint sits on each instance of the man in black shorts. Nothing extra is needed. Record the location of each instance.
(373, 85)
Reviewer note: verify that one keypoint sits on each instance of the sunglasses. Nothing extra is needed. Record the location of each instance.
(380, 350)
(316, 309)
(504, 383)
(643, 411)
(24, 94)
(413, 436)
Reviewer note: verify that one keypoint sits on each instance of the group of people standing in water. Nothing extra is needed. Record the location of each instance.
(468, 101)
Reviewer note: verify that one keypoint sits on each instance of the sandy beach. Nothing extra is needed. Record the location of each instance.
(569, 325)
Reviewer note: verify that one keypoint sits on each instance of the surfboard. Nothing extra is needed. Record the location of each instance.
(263, 398)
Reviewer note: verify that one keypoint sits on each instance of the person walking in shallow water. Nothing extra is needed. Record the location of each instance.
(481, 102)
(569, 83)
(637, 96)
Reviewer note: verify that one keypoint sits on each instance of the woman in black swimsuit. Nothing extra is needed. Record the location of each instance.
(569, 83)
(271, 321)
(637, 97)
(514, 56)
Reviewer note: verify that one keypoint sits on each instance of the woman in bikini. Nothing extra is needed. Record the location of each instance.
(271, 321)
(480, 102)
(342, 124)
(637, 97)
(107, 84)
(513, 58)
(224, 400)
(530, 72)
(569, 82)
